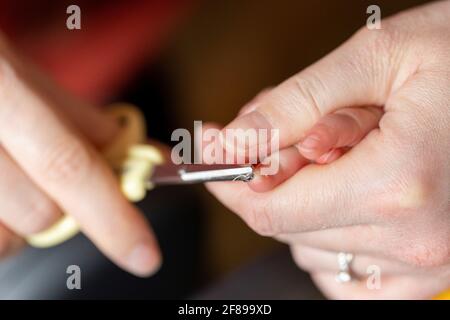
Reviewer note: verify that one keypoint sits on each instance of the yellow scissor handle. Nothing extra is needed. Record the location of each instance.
(128, 156)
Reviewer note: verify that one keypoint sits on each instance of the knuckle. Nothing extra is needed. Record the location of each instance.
(261, 219)
(382, 40)
(308, 87)
(386, 40)
(67, 162)
(376, 53)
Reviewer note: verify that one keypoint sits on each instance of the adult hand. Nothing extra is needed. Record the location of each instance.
(49, 165)
(387, 199)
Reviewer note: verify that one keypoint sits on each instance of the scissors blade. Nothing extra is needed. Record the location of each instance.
(196, 173)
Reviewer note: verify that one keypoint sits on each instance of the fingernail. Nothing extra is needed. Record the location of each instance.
(311, 142)
(143, 261)
(253, 120)
(328, 157)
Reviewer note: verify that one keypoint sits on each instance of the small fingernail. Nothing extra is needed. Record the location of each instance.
(236, 131)
(143, 261)
(311, 142)
(328, 157)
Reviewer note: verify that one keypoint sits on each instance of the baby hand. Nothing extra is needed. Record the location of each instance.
(338, 131)
(332, 136)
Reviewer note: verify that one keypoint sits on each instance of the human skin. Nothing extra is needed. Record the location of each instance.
(50, 164)
(331, 137)
(387, 200)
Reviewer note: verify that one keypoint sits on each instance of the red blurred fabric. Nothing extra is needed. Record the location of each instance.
(115, 39)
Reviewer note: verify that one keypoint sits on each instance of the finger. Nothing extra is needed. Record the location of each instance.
(343, 78)
(379, 241)
(284, 164)
(395, 287)
(316, 260)
(311, 198)
(330, 156)
(71, 172)
(93, 123)
(279, 166)
(10, 243)
(372, 240)
(233, 195)
(317, 197)
(24, 208)
(343, 128)
(274, 170)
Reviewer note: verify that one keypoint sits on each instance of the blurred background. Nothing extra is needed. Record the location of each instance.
(181, 61)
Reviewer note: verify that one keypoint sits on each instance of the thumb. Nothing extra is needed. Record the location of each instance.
(349, 76)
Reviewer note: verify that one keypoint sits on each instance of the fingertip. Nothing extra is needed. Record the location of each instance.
(261, 183)
(144, 259)
(316, 143)
(285, 162)
(141, 254)
(308, 147)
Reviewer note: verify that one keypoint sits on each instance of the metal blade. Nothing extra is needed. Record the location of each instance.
(193, 173)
